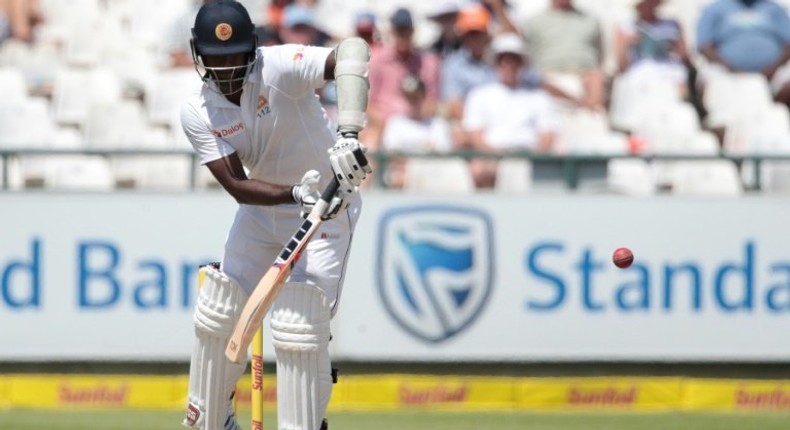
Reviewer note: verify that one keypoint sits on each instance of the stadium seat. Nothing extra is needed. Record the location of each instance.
(706, 178)
(586, 132)
(728, 96)
(630, 176)
(167, 92)
(702, 143)
(427, 175)
(165, 172)
(147, 28)
(116, 125)
(79, 172)
(775, 177)
(633, 100)
(77, 90)
(13, 86)
(25, 125)
(668, 129)
(513, 176)
(36, 171)
(161, 172)
(763, 130)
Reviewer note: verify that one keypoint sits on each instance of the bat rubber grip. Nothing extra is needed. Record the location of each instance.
(330, 190)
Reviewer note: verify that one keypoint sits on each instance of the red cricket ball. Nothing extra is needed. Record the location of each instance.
(622, 257)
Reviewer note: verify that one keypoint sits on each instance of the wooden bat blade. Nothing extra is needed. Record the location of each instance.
(266, 291)
(255, 310)
(273, 280)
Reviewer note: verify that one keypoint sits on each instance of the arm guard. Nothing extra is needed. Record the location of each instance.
(351, 76)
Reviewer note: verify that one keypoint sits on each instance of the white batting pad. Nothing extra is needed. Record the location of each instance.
(300, 335)
(212, 377)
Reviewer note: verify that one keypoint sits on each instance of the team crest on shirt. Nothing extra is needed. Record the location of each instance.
(299, 54)
(263, 107)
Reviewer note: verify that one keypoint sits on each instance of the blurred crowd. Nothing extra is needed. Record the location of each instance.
(606, 77)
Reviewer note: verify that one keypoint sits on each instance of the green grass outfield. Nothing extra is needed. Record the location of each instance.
(137, 420)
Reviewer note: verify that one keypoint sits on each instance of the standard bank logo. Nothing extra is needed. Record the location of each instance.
(435, 268)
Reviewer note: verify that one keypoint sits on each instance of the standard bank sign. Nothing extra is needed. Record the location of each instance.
(434, 268)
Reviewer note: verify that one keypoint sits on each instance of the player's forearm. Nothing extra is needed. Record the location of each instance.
(255, 192)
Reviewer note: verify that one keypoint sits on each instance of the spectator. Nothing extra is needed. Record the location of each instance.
(18, 19)
(509, 114)
(566, 47)
(499, 14)
(413, 132)
(751, 36)
(274, 14)
(365, 27)
(468, 67)
(652, 47)
(389, 66)
(299, 27)
(444, 14)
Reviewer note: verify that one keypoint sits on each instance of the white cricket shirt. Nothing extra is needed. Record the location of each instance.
(280, 130)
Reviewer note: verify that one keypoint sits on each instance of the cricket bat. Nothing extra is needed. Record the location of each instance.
(272, 282)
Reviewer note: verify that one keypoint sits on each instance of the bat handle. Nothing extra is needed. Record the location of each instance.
(330, 191)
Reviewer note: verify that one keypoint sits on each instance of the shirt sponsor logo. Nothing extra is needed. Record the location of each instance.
(299, 54)
(263, 107)
(228, 131)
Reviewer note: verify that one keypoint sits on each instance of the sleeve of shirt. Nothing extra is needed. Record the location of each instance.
(474, 111)
(706, 26)
(296, 70)
(208, 146)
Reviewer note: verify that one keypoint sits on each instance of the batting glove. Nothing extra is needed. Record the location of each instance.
(306, 194)
(349, 163)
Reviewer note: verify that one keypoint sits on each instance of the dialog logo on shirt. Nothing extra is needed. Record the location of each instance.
(263, 106)
(228, 130)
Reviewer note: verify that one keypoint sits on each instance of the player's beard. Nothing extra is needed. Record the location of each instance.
(227, 80)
